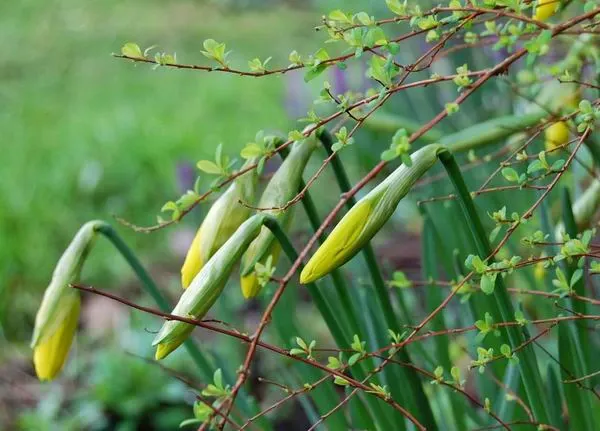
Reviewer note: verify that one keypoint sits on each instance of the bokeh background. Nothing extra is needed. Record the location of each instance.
(87, 136)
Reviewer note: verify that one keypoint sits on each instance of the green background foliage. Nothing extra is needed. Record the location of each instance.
(87, 136)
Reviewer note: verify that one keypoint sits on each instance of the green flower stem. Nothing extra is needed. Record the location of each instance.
(385, 122)
(425, 414)
(571, 230)
(491, 131)
(434, 297)
(341, 338)
(502, 308)
(469, 138)
(203, 363)
(593, 145)
(338, 281)
(573, 345)
(348, 309)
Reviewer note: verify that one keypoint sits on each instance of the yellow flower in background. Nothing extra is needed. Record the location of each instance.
(56, 319)
(556, 135)
(369, 214)
(279, 191)
(545, 9)
(50, 355)
(221, 221)
(206, 287)
(539, 272)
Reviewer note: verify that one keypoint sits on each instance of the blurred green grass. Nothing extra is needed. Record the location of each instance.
(87, 136)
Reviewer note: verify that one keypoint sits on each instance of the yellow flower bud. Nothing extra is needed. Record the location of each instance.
(545, 9)
(49, 355)
(193, 261)
(56, 318)
(221, 221)
(206, 287)
(249, 283)
(556, 135)
(282, 188)
(369, 214)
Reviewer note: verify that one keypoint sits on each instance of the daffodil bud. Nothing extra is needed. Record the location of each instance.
(545, 9)
(556, 135)
(50, 355)
(206, 287)
(221, 221)
(369, 214)
(56, 319)
(282, 188)
(584, 209)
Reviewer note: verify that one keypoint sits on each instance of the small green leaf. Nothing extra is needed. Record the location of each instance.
(488, 283)
(340, 381)
(251, 150)
(315, 71)
(208, 167)
(510, 175)
(191, 421)
(132, 50)
(354, 358)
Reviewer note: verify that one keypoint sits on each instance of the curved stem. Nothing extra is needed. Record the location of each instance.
(501, 305)
(420, 399)
(204, 364)
(326, 311)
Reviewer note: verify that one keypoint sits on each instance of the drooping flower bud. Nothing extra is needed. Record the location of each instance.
(56, 319)
(282, 188)
(556, 135)
(545, 9)
(369, 214)
(221, 221)
(206, 287)
(50, 355)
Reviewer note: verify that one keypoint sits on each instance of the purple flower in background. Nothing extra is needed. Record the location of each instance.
(296, 97)
(339, 80)
(365, 82)
(186, 175)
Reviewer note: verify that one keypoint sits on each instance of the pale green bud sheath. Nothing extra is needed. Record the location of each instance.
(206, 287)
(56, 319)
(584, 209)
(52, 312)
(221, 221)
(282, 188)
(369, 214)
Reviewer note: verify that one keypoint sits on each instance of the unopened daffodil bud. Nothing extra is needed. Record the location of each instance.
(556, 135)
(56, 319)
(50, 355)
(584, 209)
(221, 221)
(545, 9)
(282, 188)
(249, 283)
(369, 214)
(206, 287)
